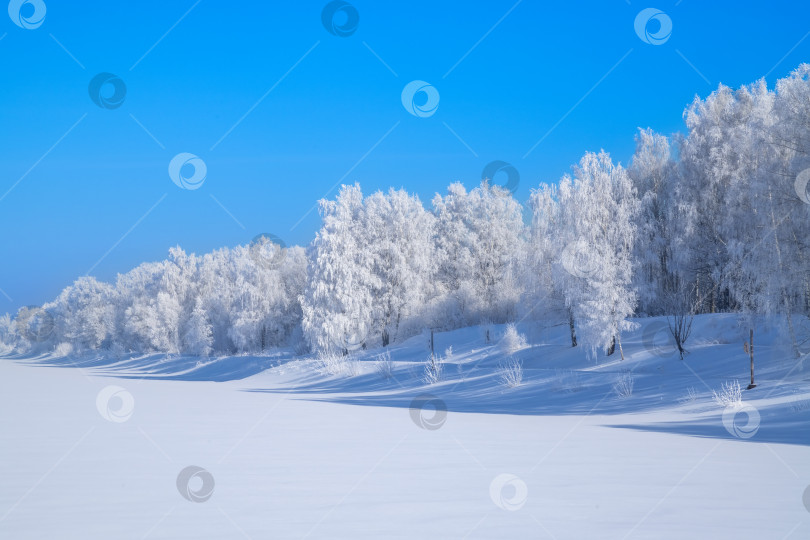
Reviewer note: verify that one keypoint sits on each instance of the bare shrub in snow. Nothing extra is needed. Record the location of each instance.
(730, 394)
(567, 380)
(512, 340)
(460, 370)
(433, 370)
(63, 349)
(335, 364)
(690, 396)
(623, 387)
(384, 365)
(510, 372)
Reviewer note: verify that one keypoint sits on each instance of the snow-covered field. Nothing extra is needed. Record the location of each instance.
(99, 448)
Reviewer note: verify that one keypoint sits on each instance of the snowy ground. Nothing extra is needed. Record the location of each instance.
(293, 453)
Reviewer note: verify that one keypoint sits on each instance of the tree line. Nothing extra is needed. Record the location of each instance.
(715, 219)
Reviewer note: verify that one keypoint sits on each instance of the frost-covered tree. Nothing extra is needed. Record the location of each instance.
(454, 257)
(598, 208)
(545, 276)
(399, 241)
(479, 241)
(84, 313)
(198, 334)
(652, 172)
(718, 161)
(337, 303)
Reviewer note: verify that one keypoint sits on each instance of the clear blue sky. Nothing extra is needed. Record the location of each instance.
(505, 82)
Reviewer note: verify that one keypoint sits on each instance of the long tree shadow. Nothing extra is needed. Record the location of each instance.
(776, 425)
(160, 366)
(547, 392)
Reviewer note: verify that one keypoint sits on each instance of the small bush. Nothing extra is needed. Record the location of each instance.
(433, 370)
(336, 364)
(623, 387)
(690, 397)
(567, 380)
(512, 341)
(63, 349)
(384, 365)
(460, 370)
(730, 394)
(510, 372)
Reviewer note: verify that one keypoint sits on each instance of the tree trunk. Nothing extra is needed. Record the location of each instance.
(385, 337)
(612, 347)
(573, 329)
(751, 347)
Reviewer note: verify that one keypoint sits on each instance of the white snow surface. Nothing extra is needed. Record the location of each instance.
(294, 452)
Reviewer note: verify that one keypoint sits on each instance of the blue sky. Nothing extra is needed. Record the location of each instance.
(280, 110)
